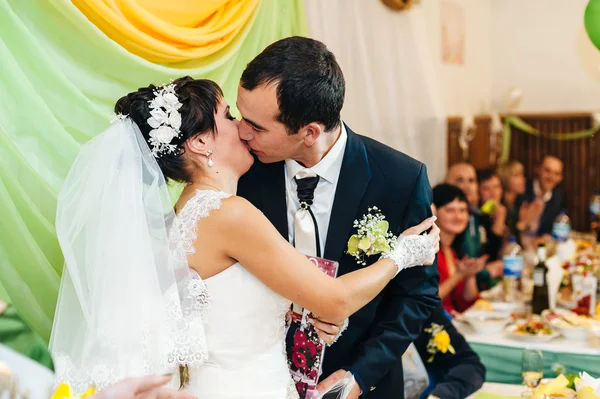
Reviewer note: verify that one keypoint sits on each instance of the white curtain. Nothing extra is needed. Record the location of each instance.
(392, 91)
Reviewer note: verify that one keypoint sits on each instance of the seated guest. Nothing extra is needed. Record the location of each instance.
(490, 192)
(458, 286)
(512, 176)
(452, 374)
(542, 202)
(463, 176)
(477, 241)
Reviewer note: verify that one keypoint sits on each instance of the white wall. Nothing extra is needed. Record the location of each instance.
(466, 89)
(541, 46)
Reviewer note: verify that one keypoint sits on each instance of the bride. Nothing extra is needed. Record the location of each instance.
(149, 289)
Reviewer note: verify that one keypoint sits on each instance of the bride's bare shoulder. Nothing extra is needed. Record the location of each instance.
(237, 210)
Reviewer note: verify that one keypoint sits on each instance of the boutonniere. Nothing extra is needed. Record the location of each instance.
(64, 391)
(439, 342)
(372, 237)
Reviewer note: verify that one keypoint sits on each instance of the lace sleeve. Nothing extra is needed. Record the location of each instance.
(198, 207)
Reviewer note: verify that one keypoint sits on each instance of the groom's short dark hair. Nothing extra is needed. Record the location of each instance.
(310, 83)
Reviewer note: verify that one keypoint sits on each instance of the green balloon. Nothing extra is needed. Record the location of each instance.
(591, 21)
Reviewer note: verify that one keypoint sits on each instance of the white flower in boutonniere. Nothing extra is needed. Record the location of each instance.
(439, 342)
(372, 237)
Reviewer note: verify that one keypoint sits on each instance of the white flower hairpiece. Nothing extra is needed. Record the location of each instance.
(165, 120)
(117, 118)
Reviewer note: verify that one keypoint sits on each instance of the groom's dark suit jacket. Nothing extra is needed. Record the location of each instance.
(372, 174)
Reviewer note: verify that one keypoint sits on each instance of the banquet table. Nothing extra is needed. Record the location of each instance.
(501, 355)
(491, 390)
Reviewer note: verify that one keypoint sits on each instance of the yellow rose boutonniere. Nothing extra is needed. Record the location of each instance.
(439, 342)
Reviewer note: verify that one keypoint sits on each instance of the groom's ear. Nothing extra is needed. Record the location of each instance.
(311, 133)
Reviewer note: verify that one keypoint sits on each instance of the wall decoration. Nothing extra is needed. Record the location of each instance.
(452, 21)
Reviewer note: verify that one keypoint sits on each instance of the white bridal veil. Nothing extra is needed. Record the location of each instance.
(128, 303)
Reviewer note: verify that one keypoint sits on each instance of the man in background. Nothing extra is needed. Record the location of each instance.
(542, 201)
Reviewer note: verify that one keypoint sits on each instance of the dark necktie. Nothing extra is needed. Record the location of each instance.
(306, 230)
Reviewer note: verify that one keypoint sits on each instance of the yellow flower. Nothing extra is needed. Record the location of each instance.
(489, 207)
(63, 391)
(442, 342)
(587, 393)
(89, 392)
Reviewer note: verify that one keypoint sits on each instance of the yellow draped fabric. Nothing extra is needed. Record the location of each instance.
(170, 31)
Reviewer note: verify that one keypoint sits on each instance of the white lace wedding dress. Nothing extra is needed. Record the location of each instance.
(129, 305)
(245, 325)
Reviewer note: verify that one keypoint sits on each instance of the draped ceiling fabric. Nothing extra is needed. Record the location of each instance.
(63, 65)
(170, 31)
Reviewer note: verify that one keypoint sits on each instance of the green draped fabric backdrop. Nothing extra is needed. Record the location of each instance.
(59, 78)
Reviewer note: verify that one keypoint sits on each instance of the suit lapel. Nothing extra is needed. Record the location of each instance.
(274, 204)
(352, 184)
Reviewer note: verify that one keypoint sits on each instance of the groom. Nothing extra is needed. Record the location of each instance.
(290, 97)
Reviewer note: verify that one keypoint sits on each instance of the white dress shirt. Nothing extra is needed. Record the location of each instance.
(538, 193)
(328, 170)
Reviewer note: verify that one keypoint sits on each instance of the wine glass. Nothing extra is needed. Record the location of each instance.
(533, 368)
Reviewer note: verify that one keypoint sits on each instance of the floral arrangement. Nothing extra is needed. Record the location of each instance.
(307, 351)
(439, 342)
(587, 387)
(372, 237)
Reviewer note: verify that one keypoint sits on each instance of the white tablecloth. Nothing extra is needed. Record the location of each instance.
(559, 345)
(31, 375)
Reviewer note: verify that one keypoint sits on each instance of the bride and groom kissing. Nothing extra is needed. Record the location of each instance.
(204, 287)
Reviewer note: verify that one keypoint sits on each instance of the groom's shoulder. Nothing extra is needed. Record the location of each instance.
(389, 159)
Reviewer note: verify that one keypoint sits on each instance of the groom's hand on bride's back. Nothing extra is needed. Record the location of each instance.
(328, 331)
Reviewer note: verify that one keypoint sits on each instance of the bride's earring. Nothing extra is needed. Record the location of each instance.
(210, 161)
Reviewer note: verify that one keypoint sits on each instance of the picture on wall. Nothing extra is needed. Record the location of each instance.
(452, 20)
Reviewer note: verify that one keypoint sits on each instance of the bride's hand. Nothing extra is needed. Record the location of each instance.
(421, 227)
(434, 234)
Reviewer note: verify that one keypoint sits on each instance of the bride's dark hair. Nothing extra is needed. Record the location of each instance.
(199, 99)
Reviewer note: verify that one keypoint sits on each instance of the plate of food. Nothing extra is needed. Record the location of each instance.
(532, 331)
(570, 324)
(484, 322)
(507, 308)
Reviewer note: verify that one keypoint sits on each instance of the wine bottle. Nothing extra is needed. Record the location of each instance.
(539, 301)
